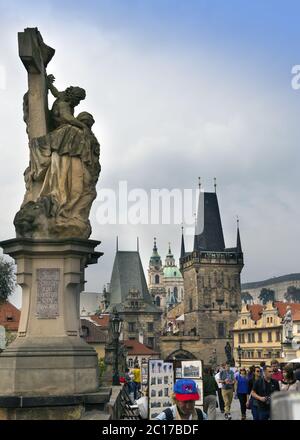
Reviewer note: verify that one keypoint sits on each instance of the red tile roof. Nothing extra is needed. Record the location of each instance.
(296, 316)
(281, 307)
(102, 320)
(9, 316)
(255, 311)
(135, 348)
(92, 333)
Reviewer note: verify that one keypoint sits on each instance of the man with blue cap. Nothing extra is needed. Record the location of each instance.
(184, 397)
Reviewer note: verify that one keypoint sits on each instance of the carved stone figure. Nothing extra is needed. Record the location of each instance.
(288, 324)
(228, 352)
(64, 159)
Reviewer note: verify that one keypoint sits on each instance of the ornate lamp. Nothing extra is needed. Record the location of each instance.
(239, 351)
(116, 326)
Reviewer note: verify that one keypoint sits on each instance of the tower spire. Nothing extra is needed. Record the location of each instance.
(238, 238)
(117, 244)
(137, 244)
(154, 246)
(182, 253)
(215, 184)
(199, 182)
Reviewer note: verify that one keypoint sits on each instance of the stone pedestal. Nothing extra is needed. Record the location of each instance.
(48, 357)
(289, 349)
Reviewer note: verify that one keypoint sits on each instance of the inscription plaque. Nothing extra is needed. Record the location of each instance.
(47, 293)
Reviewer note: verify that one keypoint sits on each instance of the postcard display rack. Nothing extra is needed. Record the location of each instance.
(161, 382)
(192, 370)
(144, 374)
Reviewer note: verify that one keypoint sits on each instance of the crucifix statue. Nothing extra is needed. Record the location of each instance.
(64, 152)
(35, 55)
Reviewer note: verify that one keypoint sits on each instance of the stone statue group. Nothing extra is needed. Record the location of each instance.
(63, 170)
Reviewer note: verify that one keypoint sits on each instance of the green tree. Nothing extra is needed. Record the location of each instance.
(102, 368)
(292, 294)
(246, 297)
(7, 279)
(266, 295)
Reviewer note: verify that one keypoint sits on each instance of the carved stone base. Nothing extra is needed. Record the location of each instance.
(49, 357)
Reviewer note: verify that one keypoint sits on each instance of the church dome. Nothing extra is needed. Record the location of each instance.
(172, 272)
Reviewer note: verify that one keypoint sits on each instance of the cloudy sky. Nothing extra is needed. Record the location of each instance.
(178, 90)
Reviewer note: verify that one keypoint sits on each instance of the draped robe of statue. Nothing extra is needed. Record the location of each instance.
(62, 174)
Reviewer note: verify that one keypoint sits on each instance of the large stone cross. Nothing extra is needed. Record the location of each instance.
(35, 55)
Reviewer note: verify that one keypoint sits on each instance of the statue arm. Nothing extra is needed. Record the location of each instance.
(67, 117)
(51, 87)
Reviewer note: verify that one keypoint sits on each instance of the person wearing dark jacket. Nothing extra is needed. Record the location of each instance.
(262, 391)
(210, 388)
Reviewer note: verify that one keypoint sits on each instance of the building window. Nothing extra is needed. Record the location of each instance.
(85, 331)
(176, 293)
(191, 304)
(131, 327)
(270, 337)
(221, 329)
(259, 337)
(156, 279)
(259, 354)
(278, 336)
(150, 342)
(150, 327)
(130, 362)
(157, 301)
(240, 338)
(249, 337)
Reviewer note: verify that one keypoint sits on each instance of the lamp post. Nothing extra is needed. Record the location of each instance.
(116, 325)
(239, 350)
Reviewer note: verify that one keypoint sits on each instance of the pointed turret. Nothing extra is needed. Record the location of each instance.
(238, 239)
(155, 260)
(182, 252)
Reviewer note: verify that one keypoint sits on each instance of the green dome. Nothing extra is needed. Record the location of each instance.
(172, 272)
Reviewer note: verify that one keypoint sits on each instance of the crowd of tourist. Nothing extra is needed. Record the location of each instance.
(252, 387)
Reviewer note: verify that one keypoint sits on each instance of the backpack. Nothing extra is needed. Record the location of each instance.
(169, 414)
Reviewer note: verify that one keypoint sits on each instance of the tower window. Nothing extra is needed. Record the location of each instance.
(221, 329)
(131, 326)
(156, 279)
(157, 301)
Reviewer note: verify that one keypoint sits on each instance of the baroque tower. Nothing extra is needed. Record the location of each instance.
(212, 287)
(155, 279)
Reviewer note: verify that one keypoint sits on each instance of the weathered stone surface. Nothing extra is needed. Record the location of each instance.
(64, 153)
(49, 357)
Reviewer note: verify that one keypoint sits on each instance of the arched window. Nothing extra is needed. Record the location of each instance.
(157, 301)
(156, 279)
(176, 293)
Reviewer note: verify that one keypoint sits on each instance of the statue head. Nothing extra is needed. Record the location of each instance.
(86, 118)
(74, 95)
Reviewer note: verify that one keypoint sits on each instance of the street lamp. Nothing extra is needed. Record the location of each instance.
(116, 325)
(239, 351)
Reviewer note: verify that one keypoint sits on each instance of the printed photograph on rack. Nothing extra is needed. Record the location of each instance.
(191, 369)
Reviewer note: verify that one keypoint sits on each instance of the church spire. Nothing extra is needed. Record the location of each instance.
(182, 253)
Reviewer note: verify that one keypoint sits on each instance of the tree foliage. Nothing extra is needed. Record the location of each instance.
(246, 297)
(266, 295)
(7, 279)
(292, 294)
